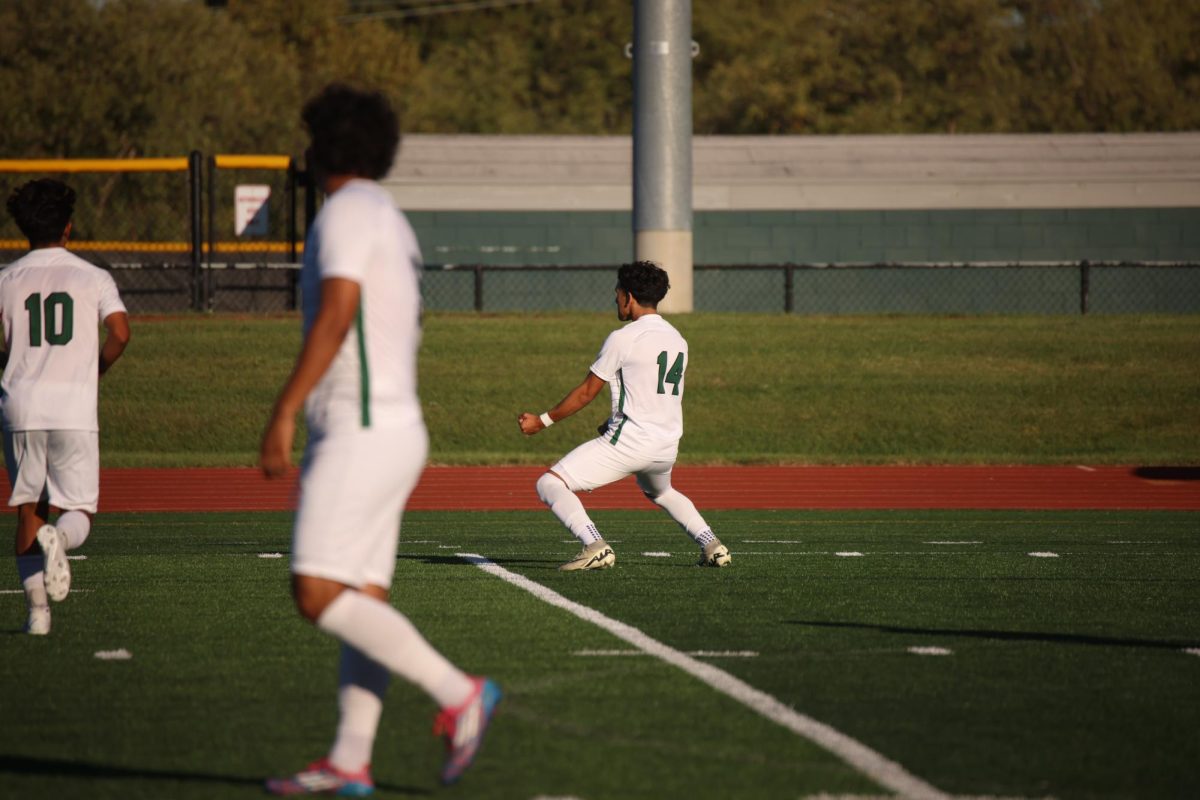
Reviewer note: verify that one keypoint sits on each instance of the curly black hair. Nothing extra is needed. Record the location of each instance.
(645, 280)
(42, 208)
(353, 132)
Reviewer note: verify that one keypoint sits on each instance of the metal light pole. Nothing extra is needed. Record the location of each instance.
(662, 142)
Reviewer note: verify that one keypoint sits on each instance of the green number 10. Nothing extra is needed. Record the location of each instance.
(53, 320)
(672, 376)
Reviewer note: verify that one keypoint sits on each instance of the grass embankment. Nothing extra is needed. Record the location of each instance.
(195, 391)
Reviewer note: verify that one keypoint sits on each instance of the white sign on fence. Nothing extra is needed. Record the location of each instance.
(250, 209)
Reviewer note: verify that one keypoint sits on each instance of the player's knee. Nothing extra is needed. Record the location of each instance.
(311, 597)
(657, 497)
(548, 486)
(309, 606)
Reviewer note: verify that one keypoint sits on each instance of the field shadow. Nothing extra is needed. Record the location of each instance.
(1012, 636)
(33, 765)
(1167, 473)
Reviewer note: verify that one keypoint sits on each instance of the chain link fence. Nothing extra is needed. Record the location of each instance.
(895, 288)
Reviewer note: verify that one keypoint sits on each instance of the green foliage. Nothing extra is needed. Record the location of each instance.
(162, 77)
(759, 388)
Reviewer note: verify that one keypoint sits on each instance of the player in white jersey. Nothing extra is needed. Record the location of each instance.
(356, 378)
(52, 304)
(643, 364)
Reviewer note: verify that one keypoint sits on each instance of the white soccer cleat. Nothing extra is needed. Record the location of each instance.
(39, 621)
(58, 569)
(597, 555)
(715, 555)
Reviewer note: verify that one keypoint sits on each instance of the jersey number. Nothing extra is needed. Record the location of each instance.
(672, 376)
(52, 320)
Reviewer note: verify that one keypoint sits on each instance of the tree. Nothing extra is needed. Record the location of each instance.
(1108, 65)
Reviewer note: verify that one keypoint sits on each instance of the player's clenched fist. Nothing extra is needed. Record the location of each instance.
(530, 423)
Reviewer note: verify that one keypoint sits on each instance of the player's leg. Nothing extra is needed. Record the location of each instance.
(353, 491)
(591, 465)
(362, 686)
(26, 466)
(73, 485)
(566, 505)
(73, 482)
(655, 483)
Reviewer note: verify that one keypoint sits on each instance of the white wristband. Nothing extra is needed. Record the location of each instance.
(545, 418)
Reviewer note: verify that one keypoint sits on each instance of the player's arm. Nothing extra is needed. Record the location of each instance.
(575, 400)
(116, 326)
(335, 315)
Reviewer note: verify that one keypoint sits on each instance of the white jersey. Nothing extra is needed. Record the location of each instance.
(51, 305)
(359, 235)
(644, 364)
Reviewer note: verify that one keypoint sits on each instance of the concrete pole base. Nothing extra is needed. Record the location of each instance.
(671, 250)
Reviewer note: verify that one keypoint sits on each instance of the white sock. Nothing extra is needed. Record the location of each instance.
(362, 684)
(76, 526)
(31, 570)
(683, 511)
(385, 635)
(565, 505)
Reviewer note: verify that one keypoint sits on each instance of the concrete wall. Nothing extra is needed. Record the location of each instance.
(822, 200)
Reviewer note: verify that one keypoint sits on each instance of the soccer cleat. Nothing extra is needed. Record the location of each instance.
(465, 726)
(715, 555)
(39, 621)
(321, 777)
(597, 555)
(58, 569)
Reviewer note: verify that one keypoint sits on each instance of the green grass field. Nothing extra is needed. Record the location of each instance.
(196, 391)
(1066, 676)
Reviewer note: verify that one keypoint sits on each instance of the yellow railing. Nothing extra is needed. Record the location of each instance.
(94, 165)
(161, 247)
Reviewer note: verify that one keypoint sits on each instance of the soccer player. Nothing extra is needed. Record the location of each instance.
(52, 304)
(643, 364)
(356, 377)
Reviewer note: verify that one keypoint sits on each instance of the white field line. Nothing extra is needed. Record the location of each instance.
(656, 554)
(882, 770)
(22, 591)
(930, 651)
(696, 653)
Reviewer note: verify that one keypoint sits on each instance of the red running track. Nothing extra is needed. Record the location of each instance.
(757, 487)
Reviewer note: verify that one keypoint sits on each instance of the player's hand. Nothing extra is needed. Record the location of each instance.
(530, 423)
(275, 454)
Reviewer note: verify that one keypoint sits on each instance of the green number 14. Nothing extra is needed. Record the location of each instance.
(672, 376)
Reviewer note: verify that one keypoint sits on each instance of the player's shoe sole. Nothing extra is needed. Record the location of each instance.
(595, 556)
(715, 555)
(464, 728)
(321, 777)
(57, 568)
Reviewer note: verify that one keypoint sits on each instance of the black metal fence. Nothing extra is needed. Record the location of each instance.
(919, 288)
(170, 230)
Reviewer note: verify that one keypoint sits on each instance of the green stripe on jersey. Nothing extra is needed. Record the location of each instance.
(364, 371)
(620, 408)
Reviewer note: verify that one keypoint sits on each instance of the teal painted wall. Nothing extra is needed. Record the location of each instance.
(833, 237)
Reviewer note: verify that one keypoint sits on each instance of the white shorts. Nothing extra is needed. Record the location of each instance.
(353, 487)
(61, 467)
(598, 462)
